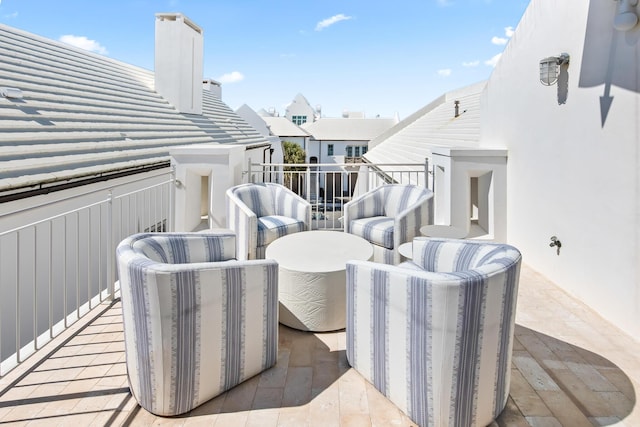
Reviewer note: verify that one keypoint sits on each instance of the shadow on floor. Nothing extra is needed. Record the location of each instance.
(552, 378)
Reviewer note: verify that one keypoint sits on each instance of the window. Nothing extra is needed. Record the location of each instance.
(364, 150)
(349, 151)
(357, 151)
(329, 149)
(298, 120)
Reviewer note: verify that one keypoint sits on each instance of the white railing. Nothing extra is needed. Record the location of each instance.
(56, 269)
(328, 186)
(57, 259)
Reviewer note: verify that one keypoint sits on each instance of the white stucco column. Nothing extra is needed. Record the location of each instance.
(203, 175)
(471, 183)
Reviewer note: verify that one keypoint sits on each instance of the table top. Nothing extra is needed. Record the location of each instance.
(406, 250)
(318, 251)
(444, 231)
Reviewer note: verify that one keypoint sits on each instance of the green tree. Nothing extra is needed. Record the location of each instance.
(293, 154)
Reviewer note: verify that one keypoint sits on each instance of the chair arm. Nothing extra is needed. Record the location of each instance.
(408, 222)
(364, 206)
(244, 222)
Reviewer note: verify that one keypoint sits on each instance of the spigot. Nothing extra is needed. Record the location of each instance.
(556, 242)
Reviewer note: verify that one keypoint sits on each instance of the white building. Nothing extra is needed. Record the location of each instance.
(79, 129)
(571, 151)
(299, 111)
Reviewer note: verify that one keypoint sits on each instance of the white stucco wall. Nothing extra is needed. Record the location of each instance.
(300, 107)
(570, 175)
(319, 149)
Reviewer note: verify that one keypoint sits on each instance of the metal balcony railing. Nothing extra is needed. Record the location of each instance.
(56, 269)
(329, 186)
(57, 259)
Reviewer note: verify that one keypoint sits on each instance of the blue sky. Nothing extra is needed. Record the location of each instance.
(379, 57)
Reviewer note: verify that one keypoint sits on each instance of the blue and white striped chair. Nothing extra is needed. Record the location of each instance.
(436, 335)
(260, 213)
(197, 322)
(389, 216)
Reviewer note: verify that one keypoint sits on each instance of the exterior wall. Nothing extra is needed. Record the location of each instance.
(570, 175)
(300, 107)
(319, 149)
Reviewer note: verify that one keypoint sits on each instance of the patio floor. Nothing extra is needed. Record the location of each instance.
(570, 368)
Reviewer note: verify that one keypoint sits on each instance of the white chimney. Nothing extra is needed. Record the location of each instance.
(213, 86)
(179, 62)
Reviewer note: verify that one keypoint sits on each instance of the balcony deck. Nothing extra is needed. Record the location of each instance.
(570, 368)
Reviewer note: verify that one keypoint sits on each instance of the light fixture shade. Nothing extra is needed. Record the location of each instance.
(625, 21)
(549, 68)
(626, 18)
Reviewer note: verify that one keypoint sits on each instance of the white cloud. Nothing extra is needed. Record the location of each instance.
(471, 64)
(330, 21)
(232, 77)
(493, 61)
(499, 40)
(84, 43)
(445, 72)
(508, 32)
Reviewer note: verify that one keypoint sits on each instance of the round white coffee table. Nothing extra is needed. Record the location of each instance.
(312, 281)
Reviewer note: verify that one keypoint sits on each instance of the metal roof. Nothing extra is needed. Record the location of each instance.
(282, 127)
(433, 125)
(338, 129)
(83, 114)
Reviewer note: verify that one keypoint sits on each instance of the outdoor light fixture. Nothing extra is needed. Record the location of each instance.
(10, 92)
(626, 18)
(550, 68)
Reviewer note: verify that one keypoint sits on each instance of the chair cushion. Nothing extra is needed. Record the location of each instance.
(376, 229)
(274, 226)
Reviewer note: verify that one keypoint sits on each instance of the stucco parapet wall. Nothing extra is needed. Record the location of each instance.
(468, 152)
(201, 153)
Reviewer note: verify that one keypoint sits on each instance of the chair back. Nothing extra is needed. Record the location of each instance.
(450, 255)
(182, 248)
(258, 197)
(398, 197)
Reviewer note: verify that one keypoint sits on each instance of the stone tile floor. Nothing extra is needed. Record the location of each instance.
(570, 368)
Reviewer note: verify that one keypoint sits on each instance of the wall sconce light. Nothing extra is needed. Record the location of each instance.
(10, 92)
(550, 68)
(626, 18)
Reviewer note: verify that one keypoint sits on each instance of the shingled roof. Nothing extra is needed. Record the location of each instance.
(79, 114)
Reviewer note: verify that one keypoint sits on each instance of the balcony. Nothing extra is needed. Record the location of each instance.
(570, 367)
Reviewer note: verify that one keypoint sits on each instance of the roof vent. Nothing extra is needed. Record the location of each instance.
(10, 92)
(456, 108)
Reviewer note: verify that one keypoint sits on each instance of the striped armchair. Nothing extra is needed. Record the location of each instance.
(260, 213)
(435, 335)
(387, 217)
(196, 321)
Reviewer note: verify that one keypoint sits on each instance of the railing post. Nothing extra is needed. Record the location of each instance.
(308, 184)
(426, 172)
(110, 249)
(172, 194)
